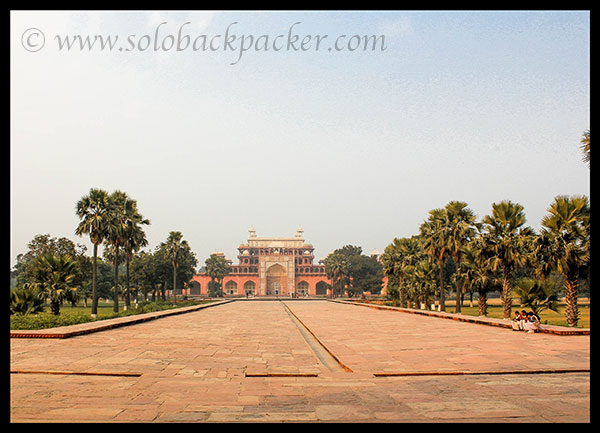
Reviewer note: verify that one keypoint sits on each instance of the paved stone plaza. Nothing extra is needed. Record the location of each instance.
(271, 361)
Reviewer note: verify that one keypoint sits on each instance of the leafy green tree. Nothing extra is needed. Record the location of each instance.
(366, 275)
(187, 266)
(54, 276)
(93, 211)
(42, 244)
(353, 272)
(564, 246)
(216, 268)
(511, 241)
(143, 272)
(84, 285)
(105, 279)
(163, 270)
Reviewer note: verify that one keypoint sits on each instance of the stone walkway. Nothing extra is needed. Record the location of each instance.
(248, 361)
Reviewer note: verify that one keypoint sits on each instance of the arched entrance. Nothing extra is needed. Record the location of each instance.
(249, 288)
(195, 288)
(231, 287)
(302, 288)
(321, 288)
(276, 280)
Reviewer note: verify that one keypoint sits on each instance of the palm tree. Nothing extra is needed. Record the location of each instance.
(398, 257)
(26, 299)
(510, 242)
(119, 207)
(54, 276)
(93, 210)
(564, 246)
(424, 276)
(173, 247)
(536, 295)
(477, 271)
(461, 230)
(134, 239)
(585, 147)
(434, 233)
(337, 269)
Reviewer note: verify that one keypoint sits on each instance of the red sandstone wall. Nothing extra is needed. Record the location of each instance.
(203, 280)
(241, 280)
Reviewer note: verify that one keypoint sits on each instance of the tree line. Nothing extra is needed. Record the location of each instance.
(488, 255)
(452, 248)
(59, 270)
(493, 254)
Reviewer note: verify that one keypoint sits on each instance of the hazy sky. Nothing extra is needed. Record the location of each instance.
(354, 146)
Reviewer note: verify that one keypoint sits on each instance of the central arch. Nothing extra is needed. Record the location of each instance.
(276, 280)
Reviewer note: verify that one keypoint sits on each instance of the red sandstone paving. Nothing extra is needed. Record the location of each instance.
(389, 341)
(193, 370)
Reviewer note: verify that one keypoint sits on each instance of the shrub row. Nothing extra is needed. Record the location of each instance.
(47, 320)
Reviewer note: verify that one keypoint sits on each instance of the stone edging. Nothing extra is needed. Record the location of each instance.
(102, 325)
(547, 329)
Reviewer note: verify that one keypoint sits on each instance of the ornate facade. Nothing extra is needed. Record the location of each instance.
(270, 267)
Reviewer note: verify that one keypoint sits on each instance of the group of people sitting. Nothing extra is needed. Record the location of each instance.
(526, 321)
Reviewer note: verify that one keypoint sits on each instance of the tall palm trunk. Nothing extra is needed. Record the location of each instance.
(174, 284)
(482, 302)
(116, 304)
(401, 294)
(94, 270)
(127, 301)
(458, 286)
(55, 306)
(442, 294)
(571, 309)
(506, 289)
(458, 297)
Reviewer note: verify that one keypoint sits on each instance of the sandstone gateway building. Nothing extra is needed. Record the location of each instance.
(270, 267)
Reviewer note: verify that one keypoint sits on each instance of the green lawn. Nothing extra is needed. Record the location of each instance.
(80, 314)
(547, 317)
(104, 308)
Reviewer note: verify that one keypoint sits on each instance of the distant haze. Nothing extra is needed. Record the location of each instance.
(354, 146)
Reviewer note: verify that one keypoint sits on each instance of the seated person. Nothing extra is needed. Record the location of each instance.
(532, 324)
(523, 319)
(516, 322)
